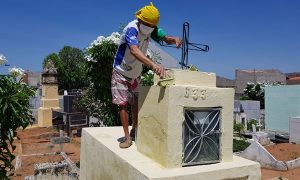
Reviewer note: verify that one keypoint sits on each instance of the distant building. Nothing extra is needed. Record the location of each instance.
(225, 83)
(242, 77)
(293, 81)
(293, 78)
(32, 79)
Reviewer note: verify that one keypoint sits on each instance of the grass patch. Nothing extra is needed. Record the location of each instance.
(239, 145)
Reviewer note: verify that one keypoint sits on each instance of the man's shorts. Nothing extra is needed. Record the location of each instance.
(123, 89)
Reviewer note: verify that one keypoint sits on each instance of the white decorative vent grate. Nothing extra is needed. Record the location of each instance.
(201, 136)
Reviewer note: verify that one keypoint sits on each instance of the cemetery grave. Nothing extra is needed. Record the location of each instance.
(38, 153)
(283, 152)
(278, 160)
(37, 141)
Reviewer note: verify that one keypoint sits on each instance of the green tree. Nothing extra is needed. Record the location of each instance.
(71, 67)
(14, 113)
(239, 128)
(55, 58)
(256, 91)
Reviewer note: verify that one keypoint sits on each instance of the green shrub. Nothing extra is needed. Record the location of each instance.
(249, 124)
(239, 145)
(239, 128)
(14, 113)
(147, 76)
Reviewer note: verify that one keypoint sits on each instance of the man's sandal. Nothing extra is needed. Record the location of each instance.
(125, 144)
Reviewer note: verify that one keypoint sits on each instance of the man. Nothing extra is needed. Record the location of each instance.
(128, 64)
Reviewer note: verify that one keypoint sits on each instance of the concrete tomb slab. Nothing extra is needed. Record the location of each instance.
(101, 158)
(185, 131)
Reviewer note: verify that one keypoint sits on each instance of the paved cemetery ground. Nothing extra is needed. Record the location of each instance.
(37, 141)
(34, 146)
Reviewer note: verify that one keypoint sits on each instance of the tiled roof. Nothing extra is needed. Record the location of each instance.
(294, 79)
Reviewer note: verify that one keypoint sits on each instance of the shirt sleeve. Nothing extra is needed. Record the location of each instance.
(158, 34)
(131, 36)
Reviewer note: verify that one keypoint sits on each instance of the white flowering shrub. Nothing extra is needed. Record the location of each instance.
(96, 100)
(113, 39)
(16, 72)
(2, 60)
(147, 78)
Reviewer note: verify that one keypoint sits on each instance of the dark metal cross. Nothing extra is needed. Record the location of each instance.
(187, 45)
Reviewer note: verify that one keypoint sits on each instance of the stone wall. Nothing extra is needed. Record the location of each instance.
(224, 82)
(281, 104)
(33, 79)
(244, 76)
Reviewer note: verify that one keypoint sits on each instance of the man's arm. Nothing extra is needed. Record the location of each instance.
(172, 40)
(159, 34)
(139, 55)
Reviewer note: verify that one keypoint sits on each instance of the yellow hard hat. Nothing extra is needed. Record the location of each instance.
(148, 14)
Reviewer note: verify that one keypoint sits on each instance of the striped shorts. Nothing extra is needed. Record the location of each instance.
(123, 89)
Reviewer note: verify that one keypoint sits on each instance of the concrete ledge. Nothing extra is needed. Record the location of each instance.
(293, 163)
(256, 152)
(101, 158)
(187, 77)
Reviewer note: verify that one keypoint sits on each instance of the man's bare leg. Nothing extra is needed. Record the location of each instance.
(124, 120)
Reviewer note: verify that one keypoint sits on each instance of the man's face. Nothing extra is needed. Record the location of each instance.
(146, 28)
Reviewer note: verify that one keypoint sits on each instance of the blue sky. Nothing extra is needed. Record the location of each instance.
(256, 34)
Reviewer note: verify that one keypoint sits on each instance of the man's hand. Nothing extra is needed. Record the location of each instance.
(159, 70)
(178, 42)
(173, 40)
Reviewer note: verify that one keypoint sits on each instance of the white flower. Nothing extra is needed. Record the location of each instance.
(89, 58)
(2, 59)
(15, 72)
(115, 34)
(100, 38)
(150, 72)
(114, 38)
